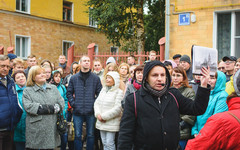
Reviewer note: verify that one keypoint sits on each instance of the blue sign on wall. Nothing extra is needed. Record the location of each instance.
(184, 19)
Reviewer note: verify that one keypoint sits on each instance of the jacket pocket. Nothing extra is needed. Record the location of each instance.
(35, 118)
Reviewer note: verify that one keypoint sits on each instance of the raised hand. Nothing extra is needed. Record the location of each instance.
(205, 76)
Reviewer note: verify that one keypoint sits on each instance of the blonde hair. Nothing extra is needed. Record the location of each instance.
(18, 61)
(152, 51)
(35, 70)
(123, 64)
(106, 70)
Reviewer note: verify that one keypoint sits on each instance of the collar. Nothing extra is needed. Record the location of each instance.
(36, 87)
(20, 88)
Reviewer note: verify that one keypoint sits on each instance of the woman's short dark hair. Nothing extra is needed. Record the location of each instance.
(18, 71)
(138, 68)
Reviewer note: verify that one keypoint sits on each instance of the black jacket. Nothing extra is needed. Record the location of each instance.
(156, 125)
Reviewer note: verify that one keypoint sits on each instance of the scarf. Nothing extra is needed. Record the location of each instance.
(136, 84)
(63, 65)
(154, 92)
(124, 78)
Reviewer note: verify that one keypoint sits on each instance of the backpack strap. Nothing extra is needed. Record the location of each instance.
(174, 98)
(234, 116)
(135, 104)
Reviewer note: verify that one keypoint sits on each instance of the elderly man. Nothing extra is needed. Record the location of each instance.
(151, 115)
(10, 111)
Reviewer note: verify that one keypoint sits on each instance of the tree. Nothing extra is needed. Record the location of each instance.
(154, 24)
(120, 20)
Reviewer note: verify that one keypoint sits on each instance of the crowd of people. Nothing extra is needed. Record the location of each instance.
(126, 106)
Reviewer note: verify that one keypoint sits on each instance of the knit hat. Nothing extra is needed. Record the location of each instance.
(116, 77)
(176, 56)
(147, 68)
(185, 58)
(110, 60)
(12, 56)
(236, 82)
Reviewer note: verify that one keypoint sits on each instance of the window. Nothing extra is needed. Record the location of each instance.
(66, 46)
(23, 46)
(67, 11)
(114, 51)
(92, 22)
(23, 5)
(227, 33)
(96, 50)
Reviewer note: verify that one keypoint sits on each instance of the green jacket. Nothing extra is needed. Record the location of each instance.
(186, 133)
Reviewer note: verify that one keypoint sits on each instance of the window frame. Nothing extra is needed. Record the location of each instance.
(66, 41)
(233, 29)
(91, 21)
(28, 45)
(116, 51)
(72, 10)
(28, 8)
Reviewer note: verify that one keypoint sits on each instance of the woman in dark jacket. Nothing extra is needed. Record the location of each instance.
(180, 82)
(153, 124)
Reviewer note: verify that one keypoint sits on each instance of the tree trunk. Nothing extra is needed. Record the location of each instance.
(140, 31)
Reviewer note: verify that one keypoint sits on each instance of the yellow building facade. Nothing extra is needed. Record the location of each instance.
(47, 28)
(208, 23)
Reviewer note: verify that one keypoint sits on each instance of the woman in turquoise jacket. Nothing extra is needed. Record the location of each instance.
(57, 80)
(19, 132)
(217, 101)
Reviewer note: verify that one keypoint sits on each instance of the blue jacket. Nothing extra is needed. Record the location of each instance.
(217, 103)
(19, 131)
(61, 88)
(85, 92)
(10, 111)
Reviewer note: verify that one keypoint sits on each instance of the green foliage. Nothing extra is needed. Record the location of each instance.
(154, 24)
(117, 19)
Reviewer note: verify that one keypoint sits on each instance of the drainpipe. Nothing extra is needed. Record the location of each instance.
(167, 25)
(161, 42)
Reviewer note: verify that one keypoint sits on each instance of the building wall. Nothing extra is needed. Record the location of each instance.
(199, 33)
(47, 35)
(52, 9)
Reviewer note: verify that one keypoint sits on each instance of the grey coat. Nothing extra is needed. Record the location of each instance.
(41, 130)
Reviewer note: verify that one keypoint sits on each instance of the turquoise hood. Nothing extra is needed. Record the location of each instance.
(220, 84)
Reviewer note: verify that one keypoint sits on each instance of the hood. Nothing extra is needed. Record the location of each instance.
(116, 77)
(72, 66)
(233, 103)
(110, 60)
(148, 67)
(220, 83)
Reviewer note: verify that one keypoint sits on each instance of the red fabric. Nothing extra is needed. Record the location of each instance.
(136, 85)
(220, 132)
(69, 107)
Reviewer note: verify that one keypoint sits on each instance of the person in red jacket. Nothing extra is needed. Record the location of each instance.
(221, 130)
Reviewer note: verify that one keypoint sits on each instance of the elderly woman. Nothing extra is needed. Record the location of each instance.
(19, 132)
(107, 108)
(42, 102)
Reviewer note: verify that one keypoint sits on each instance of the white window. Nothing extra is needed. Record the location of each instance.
(23, 46)
(226, 34)
(96, 49)
(65, 46)
(67, 11)
(23, 6)
(92, 22)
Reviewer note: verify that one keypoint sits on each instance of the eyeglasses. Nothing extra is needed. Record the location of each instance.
(3, 66)
(228, 62)
(221, 68)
